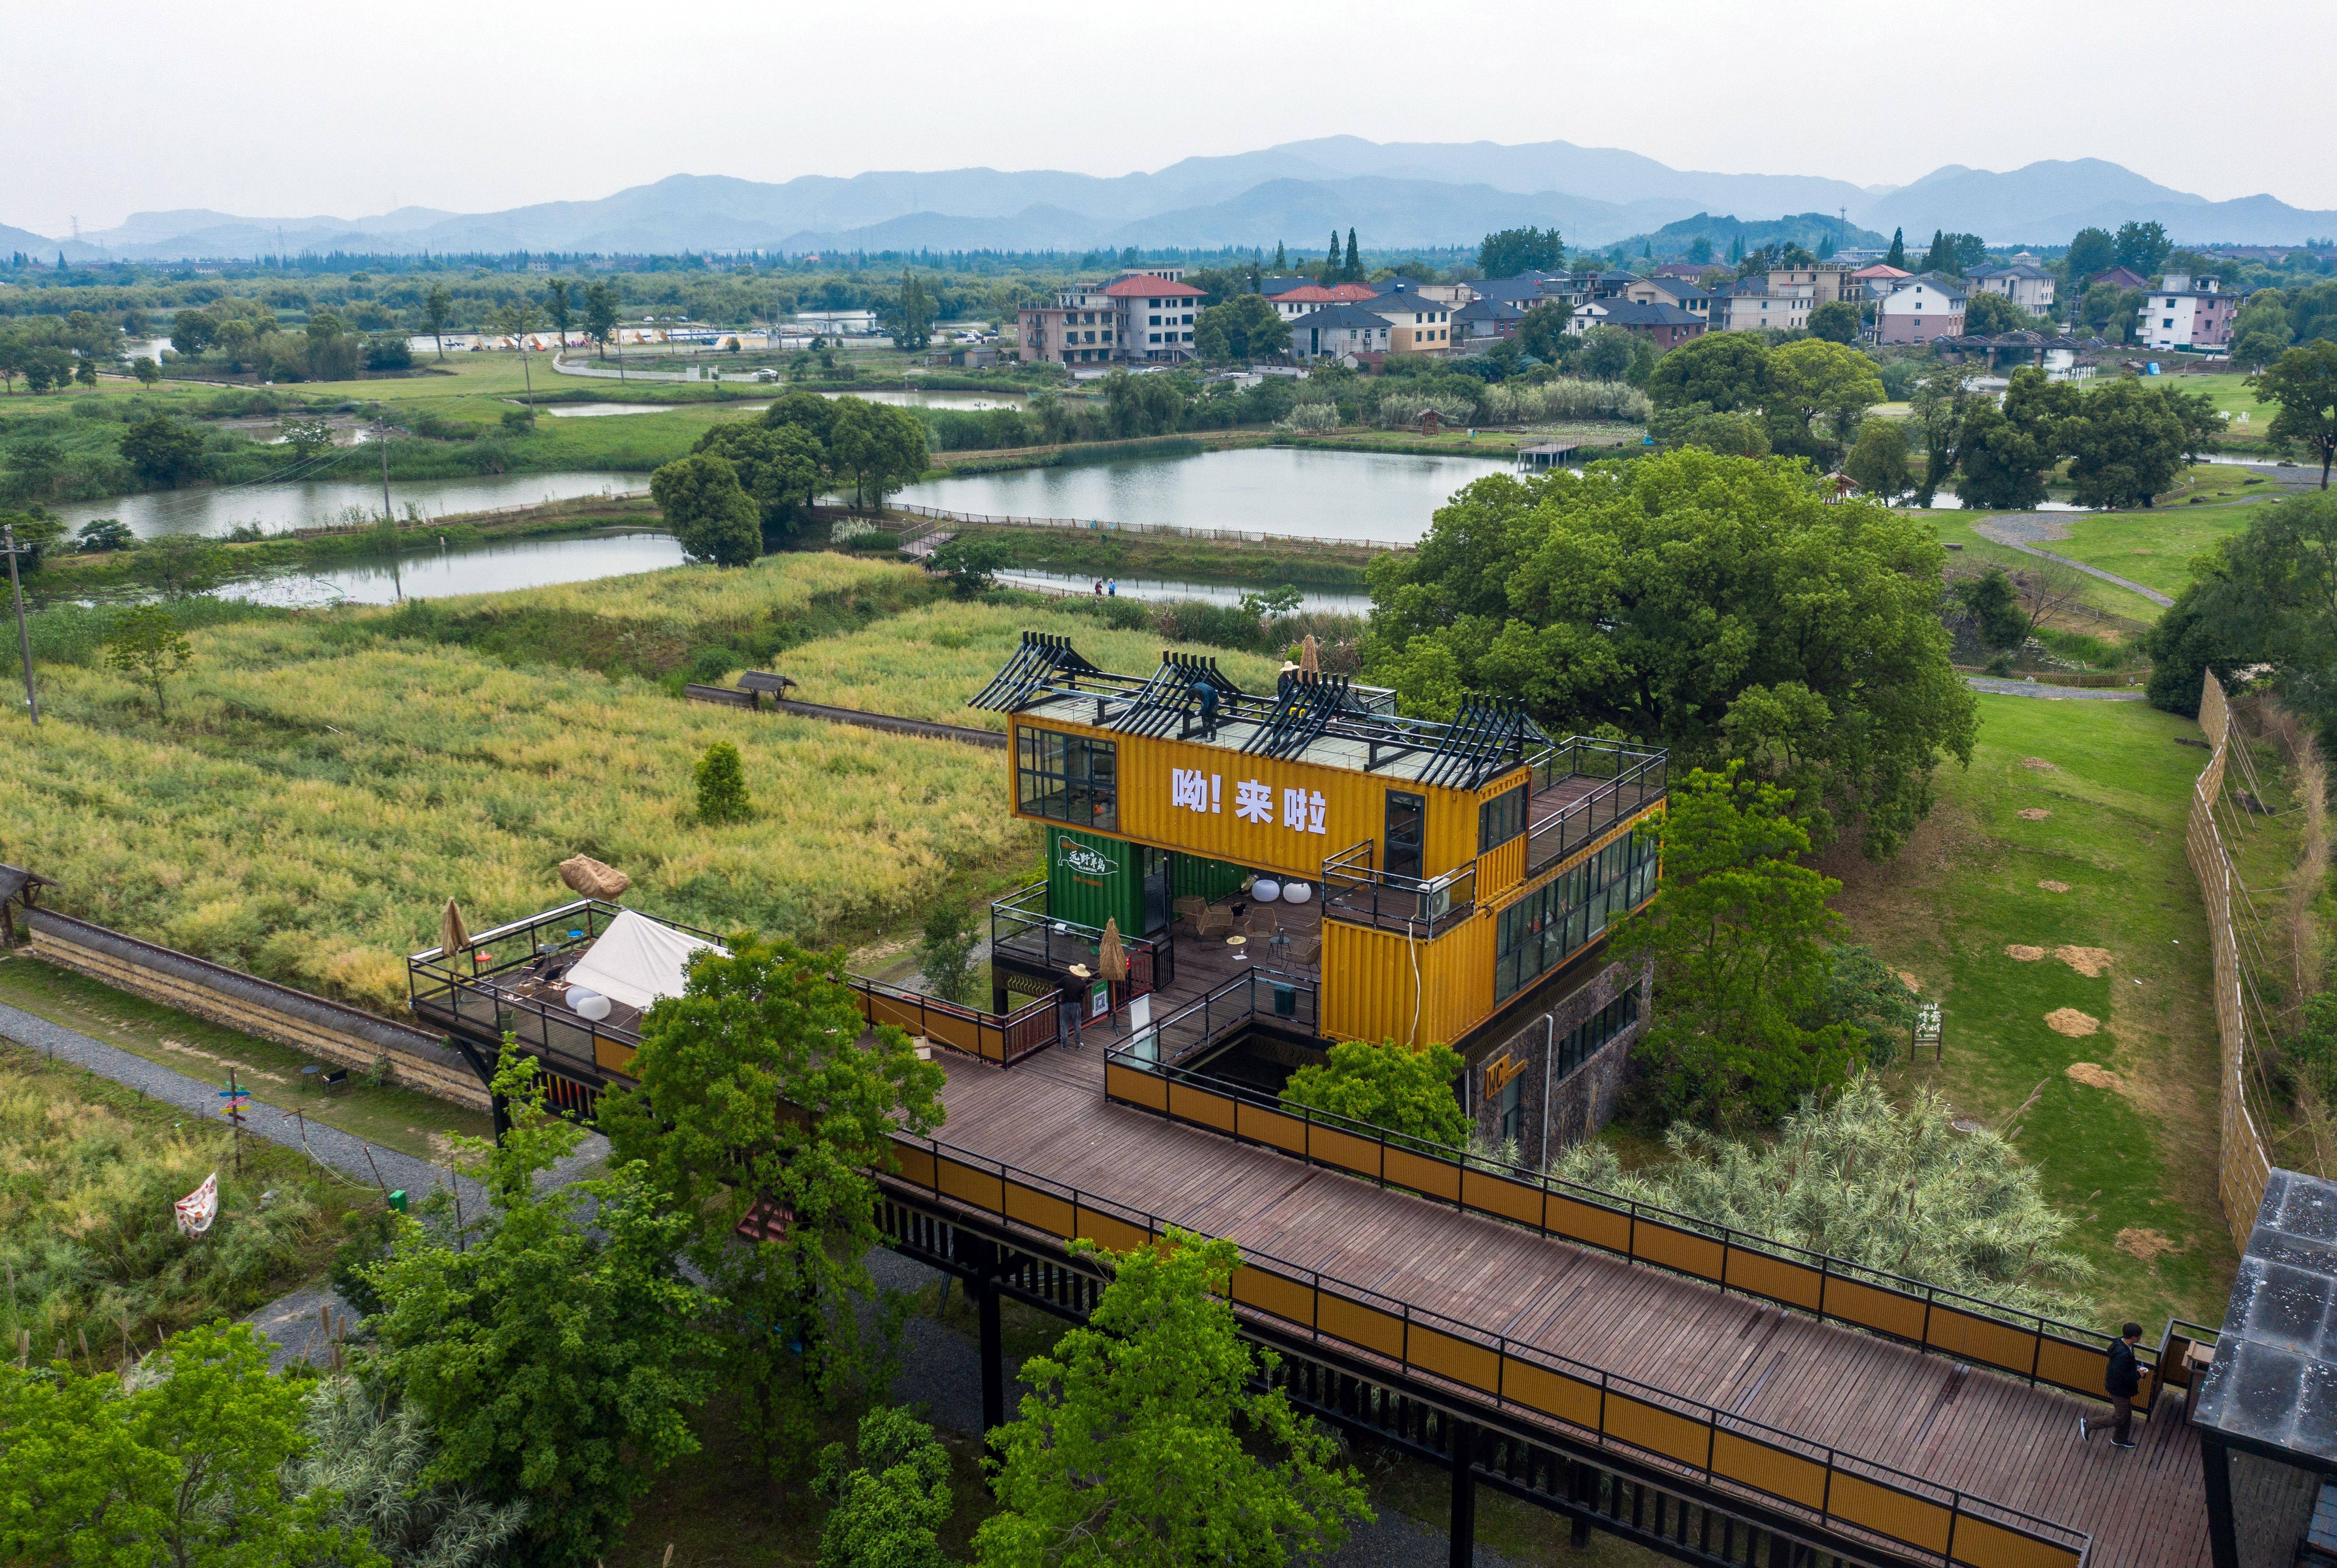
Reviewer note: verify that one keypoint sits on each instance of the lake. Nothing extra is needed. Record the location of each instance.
(481, 569)
(1272, 489)
(277, 508)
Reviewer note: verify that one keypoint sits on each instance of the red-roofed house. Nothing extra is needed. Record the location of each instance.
(1873, 283)
(1155, 315)
(1293, 303)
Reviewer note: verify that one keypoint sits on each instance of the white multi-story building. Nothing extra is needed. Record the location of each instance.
(1138, 316)
(2027, 286)
(1919, 309)
(2187, 312)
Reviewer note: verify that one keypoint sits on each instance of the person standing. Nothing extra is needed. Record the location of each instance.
(1111, 588)
(2122, 1380)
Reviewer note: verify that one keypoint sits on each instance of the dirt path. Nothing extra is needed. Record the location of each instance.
(2024, 531)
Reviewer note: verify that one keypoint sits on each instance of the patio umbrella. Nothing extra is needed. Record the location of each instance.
(1310, 658)
(453, 936)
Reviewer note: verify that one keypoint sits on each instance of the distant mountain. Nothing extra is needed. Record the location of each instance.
(2046, 202)
(1392, 193)
(44, 248)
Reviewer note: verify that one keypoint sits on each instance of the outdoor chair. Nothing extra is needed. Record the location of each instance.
(338, 1081)
(1216, 921)
(1190, 909)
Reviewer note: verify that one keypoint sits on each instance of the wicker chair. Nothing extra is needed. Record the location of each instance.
(1216, 921)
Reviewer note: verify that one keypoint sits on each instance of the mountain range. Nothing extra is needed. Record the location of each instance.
(1395, 194)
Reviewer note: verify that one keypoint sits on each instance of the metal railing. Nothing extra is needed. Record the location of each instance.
(1195, 1027)
(1638, 782)
(1353, 890)
(1020, 928)
(2027, 1345)
(1729, 1453)
(1004, 1038)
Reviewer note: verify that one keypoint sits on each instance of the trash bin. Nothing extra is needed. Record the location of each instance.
(398, 1200)
(1286, 1001)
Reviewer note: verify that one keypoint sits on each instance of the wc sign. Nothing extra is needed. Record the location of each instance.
(1082, 859)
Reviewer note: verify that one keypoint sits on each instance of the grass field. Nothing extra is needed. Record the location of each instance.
(2154, 548)
(87, 1243)
(2124, 1120)
(1110, 553)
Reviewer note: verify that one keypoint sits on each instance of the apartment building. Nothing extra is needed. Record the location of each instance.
(1753, 305)
(1155, 315)
(1140, 316)
(1919, 309)
(2028, 286)
(1823, 281)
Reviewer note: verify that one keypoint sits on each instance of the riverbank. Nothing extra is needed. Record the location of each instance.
(1105, 553)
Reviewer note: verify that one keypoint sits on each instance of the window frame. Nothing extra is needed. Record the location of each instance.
(1057, 778)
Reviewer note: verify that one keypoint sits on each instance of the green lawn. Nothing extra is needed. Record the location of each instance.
(403, 1119)
(1969, 549)
(2154, 548)
(2133, 1156)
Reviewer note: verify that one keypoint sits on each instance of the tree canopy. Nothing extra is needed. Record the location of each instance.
(2267, 596)
(2304, 382)
(1146, 1444)
(1510, 251)
(710, 514)
(1807, 396)
(1718, 606)
(1406, 1090)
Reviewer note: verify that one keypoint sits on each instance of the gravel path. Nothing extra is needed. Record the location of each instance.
(2024, 531)
(2053, 693)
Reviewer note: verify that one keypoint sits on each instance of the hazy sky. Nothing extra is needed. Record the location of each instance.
(267, 108)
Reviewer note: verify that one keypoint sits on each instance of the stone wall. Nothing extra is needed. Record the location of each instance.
(1564, 1111)
(328, 1030)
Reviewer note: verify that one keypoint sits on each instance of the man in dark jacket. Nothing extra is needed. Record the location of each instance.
(2122, 1380)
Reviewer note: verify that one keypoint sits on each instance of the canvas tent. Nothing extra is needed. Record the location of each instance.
(637, 960)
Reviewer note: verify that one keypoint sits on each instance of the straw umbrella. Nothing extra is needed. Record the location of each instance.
(1310, 656)
(1111, 959)
(453, 936)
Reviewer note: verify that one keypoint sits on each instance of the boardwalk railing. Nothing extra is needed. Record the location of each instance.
(1639, 779)
(1729, 1453)
(1173, 529)
(1004, 1038)
(1020, 926)
(1224, 1011)
(2037, 1348)
(1353, 890)
(2244, 1161)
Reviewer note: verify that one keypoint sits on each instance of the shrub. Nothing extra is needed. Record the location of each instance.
(945, 951)
(722, 785)
(1405, 1090)
(874, 539)
(1310, 416)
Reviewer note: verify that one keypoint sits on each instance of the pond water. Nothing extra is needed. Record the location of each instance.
(1948, 501)
(483, 569)
(1315, 599)
(602, 410)
(1270, 489)
(278, 507)
(912, 399)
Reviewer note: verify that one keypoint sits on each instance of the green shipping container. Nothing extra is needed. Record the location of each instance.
(1193, 877)
(1092, 880)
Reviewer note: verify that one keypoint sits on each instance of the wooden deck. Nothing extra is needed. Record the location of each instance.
(1987, 1434)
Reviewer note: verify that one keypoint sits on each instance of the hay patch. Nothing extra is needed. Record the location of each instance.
(2051, 886)
(2087, 961)
(2038, 763)
(2147, 1245)
(2070, 1022)
(2032, 813)
(1909, 981)
(2092, 1075)
(2022, 953)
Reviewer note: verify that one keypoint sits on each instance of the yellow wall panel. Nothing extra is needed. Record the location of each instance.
(1769, 1468)
(1870, 1307)
(1449, 1356)
(1890, 1512)
(1040, 1211)
(1778, 1279)
(1285, 1132)
(1369, 992)
(1981, 1544)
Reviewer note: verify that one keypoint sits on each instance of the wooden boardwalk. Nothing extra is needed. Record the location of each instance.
(1987, 1434)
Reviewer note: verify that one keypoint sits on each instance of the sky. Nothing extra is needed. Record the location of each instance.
(269, 108)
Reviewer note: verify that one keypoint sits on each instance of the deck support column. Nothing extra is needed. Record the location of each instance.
(1464, 1530)
(994, 1350)
(2223, 1533)
(998, 1000)
(1585, 1493)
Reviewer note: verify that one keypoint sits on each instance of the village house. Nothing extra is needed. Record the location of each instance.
(1140, 316)
(2187, 312)
(1485, 320)
(1918, 309)
(1688, 293)
(2119, 277)
(1873, 283)
(1752, 306)
(1666, 326)
(1416, 325)
(2026, 285)
(1290, 304)
(1338, 329)
(1823, 281)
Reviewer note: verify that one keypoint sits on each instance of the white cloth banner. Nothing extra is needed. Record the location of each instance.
(198, 1208)
(638, 960)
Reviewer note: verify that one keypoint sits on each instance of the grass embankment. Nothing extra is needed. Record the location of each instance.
(1102, 552)
(1598, 440)
(2061, 851)
(322, 784)
(86, 1235)
(403, 1119)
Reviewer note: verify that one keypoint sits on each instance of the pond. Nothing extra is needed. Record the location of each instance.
(276, 508)
(481, 569)
(602, 410)
(1315, 599)
(1271, 489)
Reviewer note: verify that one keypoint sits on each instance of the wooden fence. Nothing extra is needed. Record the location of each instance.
(2244, 1159)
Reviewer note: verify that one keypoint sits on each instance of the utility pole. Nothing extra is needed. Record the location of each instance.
(24, 637)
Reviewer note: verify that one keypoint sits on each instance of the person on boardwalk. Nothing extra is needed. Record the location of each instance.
(2123, 1381)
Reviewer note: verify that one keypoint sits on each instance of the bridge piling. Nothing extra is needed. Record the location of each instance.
(1462, 1435)
(993, 1351)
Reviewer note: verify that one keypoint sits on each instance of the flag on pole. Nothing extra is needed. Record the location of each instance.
(198, 1208)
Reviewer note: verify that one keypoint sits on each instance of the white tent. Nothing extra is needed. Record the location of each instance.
(637, 960)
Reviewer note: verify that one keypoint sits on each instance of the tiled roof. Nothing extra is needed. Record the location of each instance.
(1630, 313)
(1128, 287)
(1333, 317)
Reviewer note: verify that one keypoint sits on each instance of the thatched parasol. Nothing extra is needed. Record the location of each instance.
(453, 937)
(1310, 656)
(592, 878)
(1111, 959)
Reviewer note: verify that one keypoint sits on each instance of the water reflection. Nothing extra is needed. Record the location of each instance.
(1152, 589)
(278, 508)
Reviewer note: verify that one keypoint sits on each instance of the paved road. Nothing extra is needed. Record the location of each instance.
(2024, 531)
(2053, 693)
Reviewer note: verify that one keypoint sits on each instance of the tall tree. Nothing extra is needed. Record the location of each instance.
(770, 1026)
(888, 1510)
(1510, 251)
(911, 321)
(1281, 259)
(1331, 263)
(2126, 445)
(2142, 247)
(551, 1344)
(710, 515)
(1406, 1090)
(1737, 933)
(1146, 1444)
(2007, 450)
(1938, 258)
(882, 447)
(1818, 392)
(558, 306)
(1719, 606)
(2091, 251)
(779, 467)
(2304, 382)
(437, 309)
(1353, 272)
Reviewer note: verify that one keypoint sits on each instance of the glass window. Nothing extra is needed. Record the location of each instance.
(1406, 822)
(1559, 918)
(1068, 777)
(1500, 820)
